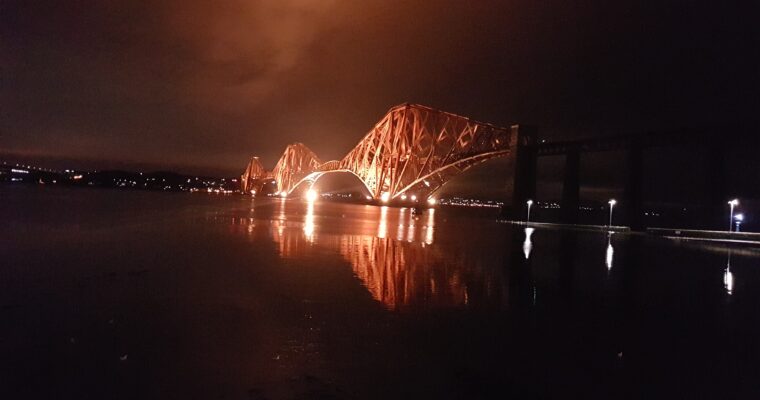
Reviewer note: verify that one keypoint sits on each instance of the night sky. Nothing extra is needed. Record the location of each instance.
(202, 86)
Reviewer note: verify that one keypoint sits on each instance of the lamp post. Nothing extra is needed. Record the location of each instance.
(739, 219)
(733, 203)
(612, 203)
(529, 203)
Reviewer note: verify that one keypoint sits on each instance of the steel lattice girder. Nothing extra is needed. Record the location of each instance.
(253, 173)
(295, 163)
(415, 149)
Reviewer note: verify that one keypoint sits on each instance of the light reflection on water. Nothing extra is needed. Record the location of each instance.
(402, 271)
(528, 244)
(382, 227)
(225, 275)
(610, 252)
(728, 276)
(308, 223)
(411, 269)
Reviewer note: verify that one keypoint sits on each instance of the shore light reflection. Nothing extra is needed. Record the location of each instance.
(528, 244)
(610, 253)
(430, 227)
(308, 225)
(728, 276)
(382, 227)
(410, 232)
(401, 224)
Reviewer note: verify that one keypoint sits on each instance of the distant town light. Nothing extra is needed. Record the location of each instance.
(431, 201)
(385, 197)
(414, 197)
(403, 197)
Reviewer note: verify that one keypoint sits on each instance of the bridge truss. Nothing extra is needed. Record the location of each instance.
(294, 165)
(412, 150)
(416, 149)
(253, 176)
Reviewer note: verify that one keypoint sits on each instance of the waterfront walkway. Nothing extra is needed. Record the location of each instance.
(739, 238)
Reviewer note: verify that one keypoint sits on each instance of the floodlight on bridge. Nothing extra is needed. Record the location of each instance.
(312, 195)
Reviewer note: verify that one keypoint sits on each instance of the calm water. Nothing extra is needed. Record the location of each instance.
(111, 294)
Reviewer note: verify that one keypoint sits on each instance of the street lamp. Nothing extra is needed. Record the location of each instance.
(733, 203)
(529, 203)
(739, 219)
(612, 203)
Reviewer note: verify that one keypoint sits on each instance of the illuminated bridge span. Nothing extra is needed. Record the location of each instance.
(413, 150)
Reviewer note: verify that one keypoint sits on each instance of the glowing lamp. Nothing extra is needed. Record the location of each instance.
(311, 195)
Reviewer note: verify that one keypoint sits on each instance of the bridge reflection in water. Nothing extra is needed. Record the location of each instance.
(390, 250)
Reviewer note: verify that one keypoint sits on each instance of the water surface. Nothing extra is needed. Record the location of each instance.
(120, 294)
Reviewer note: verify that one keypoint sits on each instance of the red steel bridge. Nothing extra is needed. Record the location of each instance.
(412, 151)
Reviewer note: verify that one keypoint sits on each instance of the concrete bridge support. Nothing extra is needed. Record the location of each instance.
(522, 141)
(571, 186)
(633, 204)
(717, 187)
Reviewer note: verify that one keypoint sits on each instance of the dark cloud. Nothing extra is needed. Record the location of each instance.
(207, 84)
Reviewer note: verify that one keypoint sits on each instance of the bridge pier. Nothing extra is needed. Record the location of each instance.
(523, 164)
(717, 189)
(571, 187)
(632, 198)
